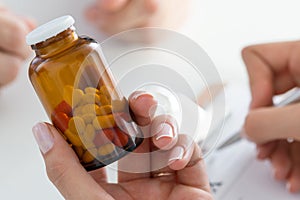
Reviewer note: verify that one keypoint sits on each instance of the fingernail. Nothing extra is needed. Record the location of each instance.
(43, 137)
(164, 130)
(140, 93)
(176, 154)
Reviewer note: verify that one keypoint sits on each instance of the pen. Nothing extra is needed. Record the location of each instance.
(290, 97)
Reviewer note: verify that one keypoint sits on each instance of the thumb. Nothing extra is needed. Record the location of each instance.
(272, 123)
(63, 167)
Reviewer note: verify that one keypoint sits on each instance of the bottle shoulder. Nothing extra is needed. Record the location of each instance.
(76, 53)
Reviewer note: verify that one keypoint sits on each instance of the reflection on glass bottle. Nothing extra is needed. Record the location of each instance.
(79, 94)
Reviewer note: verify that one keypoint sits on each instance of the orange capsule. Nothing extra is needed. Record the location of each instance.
(121, 138)
(63, 107)
(60, 120)
(89, 155)
(109, 133)
(79, 151)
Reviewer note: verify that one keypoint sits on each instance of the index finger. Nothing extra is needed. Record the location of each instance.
(268, 124)
(264, 63)
(143, 106)
(140, 105)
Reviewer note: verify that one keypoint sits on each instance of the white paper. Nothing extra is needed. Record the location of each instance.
(234, 172)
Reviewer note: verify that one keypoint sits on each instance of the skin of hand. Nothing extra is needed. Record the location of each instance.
(13, 48)
(114, 16)
(188, 179)
(274, 69)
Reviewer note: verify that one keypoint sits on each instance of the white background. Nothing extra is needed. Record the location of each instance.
(222, 28)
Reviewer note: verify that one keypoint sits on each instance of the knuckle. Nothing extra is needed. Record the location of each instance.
(56, 172)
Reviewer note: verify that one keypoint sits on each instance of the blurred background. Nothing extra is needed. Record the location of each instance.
(221, 28)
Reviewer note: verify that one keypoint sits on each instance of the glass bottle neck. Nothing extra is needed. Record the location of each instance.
(56, 44)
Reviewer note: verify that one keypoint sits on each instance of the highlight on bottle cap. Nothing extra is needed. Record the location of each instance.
(49, 29)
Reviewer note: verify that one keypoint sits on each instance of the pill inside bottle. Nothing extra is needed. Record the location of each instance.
(79, 94)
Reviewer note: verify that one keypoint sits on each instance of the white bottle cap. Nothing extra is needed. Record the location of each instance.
(50, 29)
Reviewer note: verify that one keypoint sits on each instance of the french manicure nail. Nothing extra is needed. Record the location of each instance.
(140, 93)
(176, 154)
(164, 130)
(43, 137)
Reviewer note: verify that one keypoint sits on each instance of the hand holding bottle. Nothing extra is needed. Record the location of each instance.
(183, 177)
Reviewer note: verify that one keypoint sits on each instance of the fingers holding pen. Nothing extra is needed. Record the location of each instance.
(267, 124)
(271, 68)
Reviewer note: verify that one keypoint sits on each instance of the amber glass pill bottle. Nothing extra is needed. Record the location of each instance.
(79, 94)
